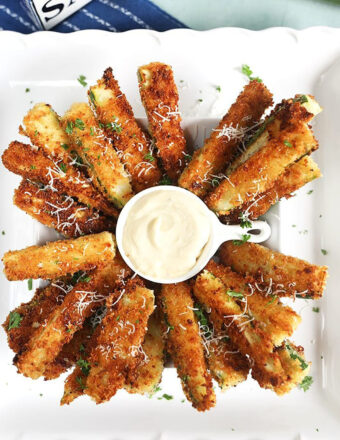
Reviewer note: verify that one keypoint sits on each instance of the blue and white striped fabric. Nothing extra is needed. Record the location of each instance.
(112, 15)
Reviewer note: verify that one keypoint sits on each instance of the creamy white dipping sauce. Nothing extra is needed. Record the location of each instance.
(165, 233)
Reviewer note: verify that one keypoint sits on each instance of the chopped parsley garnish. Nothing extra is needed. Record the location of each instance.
(92, 97)
(201, 318)
(245, 238)
(218, 88)
(215, 182)
(33, 167)
(316, 309)
(233, 294)
(81, 348)
(80, 276)
(82, 81)
(118, 318)
(167, 397)
(84, 365)
(273, 298)
(295, 355)
(27, 90)
(14, 320)
(91, 131)
(69, 127)
(114, 126)
(36, 132)
(3, 232)
(246, 70)
(65, 146)
(244, 221)
(324, 252)
(165, 181)
(78, 123)
(80, 382)
(62, 166)
(149, 157)
(30, 284)
(200, 100)
(287, 144)
(310, 192)
(306, 383)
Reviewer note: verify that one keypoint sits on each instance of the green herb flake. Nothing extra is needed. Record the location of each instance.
(91, 131)
(118, 318)
(27, 90)
(69, 127)
(65, 146)
(245, 238)
(324, 252)
(82, 81)
(80, 383)
(78, 123)
(81, 348)
(302, 99)
(295, 355)
(114, 126)
(200, 100)
(30, 284)
(310, 192)
(149, 157)
(306, 383)
(287, 144)
(3, 232)
(36, 132)
(33, 167)
(246, 70)
(218, 88)
(215, 182)
(233, 294)
(62, 166)
(14, 320)
(84, 365)
(273, 298)
(244, 221)
(165, 181)
(167, 396)
(316, 309)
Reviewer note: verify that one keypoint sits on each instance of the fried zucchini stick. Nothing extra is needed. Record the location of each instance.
(184, 344)
(33, 314)
(60, 212)
(243, 330)
(159, 96)
(294, 177)
(146, 376)
(115, 113)
(275, 319)
(275, 273)
(295, 365)
(122, 332)
(94, 149)
(42, 126)
(87, 295)
(226, 364)
(282, 140)
(59, 258)
(31, 163)
(223, 143)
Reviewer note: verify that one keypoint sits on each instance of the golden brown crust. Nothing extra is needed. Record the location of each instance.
(80, 302)
(60, 212)
(244, 331)
(32, 164)
(131, 143)
(122, 332)
(275, 319)
(59, 258)
(275, 273)
(220, 148)
(95, 150)
(185, 345)
(286, 139)
(293, 178)
(160, 98)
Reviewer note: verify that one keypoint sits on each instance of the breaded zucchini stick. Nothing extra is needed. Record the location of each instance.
(226, 364)
(33, 164)
(33, 314)
(159, 96)
(60, 212)
(59, 258)
(275, 273)
(122, 332)
(42, 126)
(146, 376)
(282, 140)
(87, 295)
(294, 177)
(223, 143)
(275, 319)
(243, 330)
(295, 365)
(104, 165)
(184, 344)
(116, 116)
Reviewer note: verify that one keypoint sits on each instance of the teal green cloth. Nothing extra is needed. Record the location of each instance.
(253, 14)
